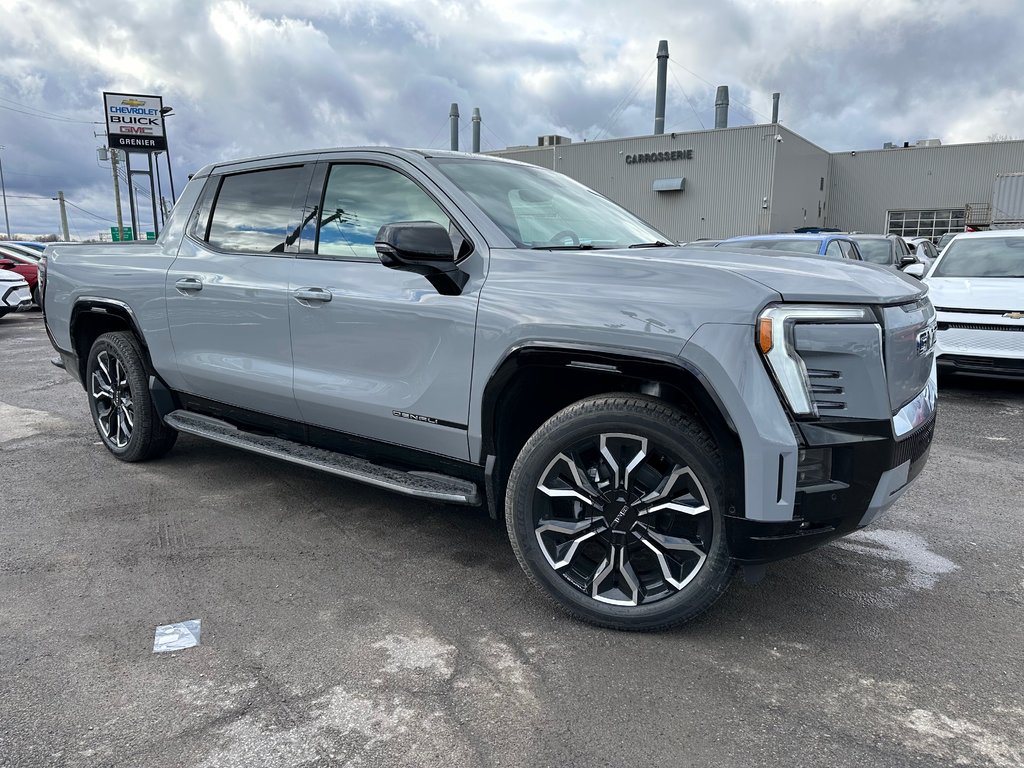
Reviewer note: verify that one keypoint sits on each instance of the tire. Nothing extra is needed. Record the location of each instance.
(624, 540)
(119, 401)
(36, 298)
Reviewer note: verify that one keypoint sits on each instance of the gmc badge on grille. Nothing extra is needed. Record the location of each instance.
(926, 340)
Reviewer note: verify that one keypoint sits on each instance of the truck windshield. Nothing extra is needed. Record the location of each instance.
(538, 208)
(982, 257)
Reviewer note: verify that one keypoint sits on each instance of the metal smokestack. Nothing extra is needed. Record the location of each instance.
(454, 115)
(775, 107)
(659, 99)
(722, 107)
(476, 129)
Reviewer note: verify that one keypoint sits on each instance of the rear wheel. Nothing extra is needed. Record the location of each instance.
(614, 510)
(119, 400)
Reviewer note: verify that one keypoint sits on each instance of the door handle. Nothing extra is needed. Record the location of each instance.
(187, 284)
(312, 294)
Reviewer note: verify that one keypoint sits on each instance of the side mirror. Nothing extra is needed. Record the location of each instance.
(915, 270)
(7, 264)
(908, 260)
(423, 247)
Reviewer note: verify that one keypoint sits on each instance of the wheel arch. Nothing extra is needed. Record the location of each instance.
(91, 317)
(550, 377)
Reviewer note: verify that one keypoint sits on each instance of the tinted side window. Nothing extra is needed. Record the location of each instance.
(833, 251)
(359, 199)
(253, 212)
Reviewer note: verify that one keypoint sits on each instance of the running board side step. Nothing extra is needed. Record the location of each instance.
(422, 485)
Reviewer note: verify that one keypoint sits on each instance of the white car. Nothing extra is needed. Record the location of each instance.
(977, 288)
(14, 292)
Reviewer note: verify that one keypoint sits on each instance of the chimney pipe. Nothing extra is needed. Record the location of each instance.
(476, 129)
(722, 107)
(454, 115)
(659, 99)
(775, 107)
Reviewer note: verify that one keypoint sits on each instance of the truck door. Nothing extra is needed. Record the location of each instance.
(228, 290)
(378, 352)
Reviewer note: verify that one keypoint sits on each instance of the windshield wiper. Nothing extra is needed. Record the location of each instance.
(655, 244)
(579, 247)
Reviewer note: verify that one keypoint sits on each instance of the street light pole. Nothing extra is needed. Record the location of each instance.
(3, 188)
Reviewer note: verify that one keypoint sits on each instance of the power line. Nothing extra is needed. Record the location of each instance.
(90, 213)
(626, 100)
(49, 117)
(688, 101)
(750, 109)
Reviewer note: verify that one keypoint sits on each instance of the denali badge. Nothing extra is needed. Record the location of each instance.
(414, 416)
(926, 340)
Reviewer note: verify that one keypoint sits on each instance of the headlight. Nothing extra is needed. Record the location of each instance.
(775, 340)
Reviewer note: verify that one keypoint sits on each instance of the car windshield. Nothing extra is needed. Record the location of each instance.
(982, 257)
(875, 251)
(800, 245)
(538, 208)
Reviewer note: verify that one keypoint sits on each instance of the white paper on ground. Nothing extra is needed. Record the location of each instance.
(176, 637)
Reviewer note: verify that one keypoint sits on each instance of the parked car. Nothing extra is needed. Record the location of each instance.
(977, 286)
(924, 250)
(469, 329)
(30, 244)
(827, 244)
(887, 250)
(16, 260)
(14, 292)
(944, 240)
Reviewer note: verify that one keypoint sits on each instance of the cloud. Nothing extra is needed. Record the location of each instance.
(266, 76)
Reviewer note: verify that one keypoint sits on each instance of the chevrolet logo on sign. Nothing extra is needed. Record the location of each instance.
(133, 102)
(1015, 315)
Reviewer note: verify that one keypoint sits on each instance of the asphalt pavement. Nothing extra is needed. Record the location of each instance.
(342, 625)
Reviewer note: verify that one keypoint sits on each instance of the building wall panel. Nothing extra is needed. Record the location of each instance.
(864, 185)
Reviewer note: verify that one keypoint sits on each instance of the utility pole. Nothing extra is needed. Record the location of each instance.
(63, 216)
(117, 195)
(3, 188)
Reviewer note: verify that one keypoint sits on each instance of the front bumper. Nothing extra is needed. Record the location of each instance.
(873, 462)
(16, 297)
(980, 343)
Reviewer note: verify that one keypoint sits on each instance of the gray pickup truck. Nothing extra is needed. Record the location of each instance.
(479, 331)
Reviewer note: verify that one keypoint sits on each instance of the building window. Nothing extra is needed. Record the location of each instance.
(930, 224)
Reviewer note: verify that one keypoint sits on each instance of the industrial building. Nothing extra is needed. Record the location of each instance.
(763, 178)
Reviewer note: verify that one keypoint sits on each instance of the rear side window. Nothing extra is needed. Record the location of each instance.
(254, 212)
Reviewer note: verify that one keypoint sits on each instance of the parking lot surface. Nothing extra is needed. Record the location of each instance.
(342, 625)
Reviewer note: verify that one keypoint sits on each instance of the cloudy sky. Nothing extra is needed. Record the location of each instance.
(264, 76)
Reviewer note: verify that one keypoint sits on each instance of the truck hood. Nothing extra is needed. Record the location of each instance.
(1005, 294)
(812, 278)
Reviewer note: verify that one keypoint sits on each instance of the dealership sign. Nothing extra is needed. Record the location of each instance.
(134, 123)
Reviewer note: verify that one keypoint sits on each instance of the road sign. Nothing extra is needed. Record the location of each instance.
(151, 235)
(128, 234)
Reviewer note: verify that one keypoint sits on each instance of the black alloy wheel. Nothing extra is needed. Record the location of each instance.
(614, 509)
(119, 400)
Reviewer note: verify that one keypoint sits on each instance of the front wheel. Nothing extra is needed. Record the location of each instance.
(614, 509)
(119, 400)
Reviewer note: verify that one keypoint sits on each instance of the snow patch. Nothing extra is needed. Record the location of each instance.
(923, 566)
(17, 423)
